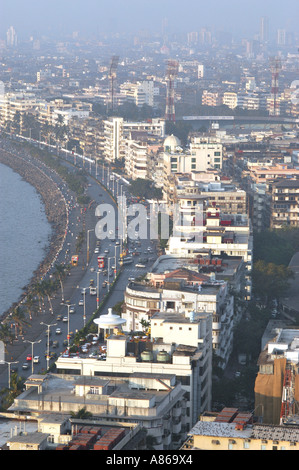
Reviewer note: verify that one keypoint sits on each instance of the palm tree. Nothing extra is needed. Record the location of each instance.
(48, 288)
(18, 318)
(30, 305)
(38, 291)
(5, 334)
(60, 274)
(48, 131)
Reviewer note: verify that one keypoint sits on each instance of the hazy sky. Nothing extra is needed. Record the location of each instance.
(238, 16)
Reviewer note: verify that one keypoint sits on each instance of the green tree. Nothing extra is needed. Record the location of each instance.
(81, 414)
(17, 317)
(60, 274)
(5, 334)
(9, 394)
(30, 305)
(270, 280)
(144, 188)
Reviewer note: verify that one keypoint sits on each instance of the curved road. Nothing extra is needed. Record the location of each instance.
(78, 280)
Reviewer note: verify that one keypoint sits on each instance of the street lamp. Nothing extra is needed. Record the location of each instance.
(84, 305)
(115, 248)
(87, 258)
(48, 331)
(9, 364)
(68, 322)
(32, 343)
(98, 289)
(109, 258)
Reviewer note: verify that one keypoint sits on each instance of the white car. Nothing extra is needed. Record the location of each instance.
(81, 302)
(36, 359)
(65, 319)
(58, 331)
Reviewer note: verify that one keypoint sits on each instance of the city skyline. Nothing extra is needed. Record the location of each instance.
(93, 17)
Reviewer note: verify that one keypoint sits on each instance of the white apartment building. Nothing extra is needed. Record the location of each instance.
(208, 153)
(142, 302)
(214, 232)
(136, 159)
(168, 352)
(204, 155)
(116, 130)
(128, 401)
(113, 139)
(155, 126)
(200, 71)
(230, 99)
(11, 103)
(140, 93)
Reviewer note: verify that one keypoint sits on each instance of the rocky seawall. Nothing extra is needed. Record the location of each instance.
(55, 205)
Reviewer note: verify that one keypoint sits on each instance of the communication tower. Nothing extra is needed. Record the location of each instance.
(275, 65)
(112, 77)
(171, 73)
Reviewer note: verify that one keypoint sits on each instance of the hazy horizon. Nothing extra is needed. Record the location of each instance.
(50, 17)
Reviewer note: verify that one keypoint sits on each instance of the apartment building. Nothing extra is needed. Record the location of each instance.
(134, 400)
(285, 203)
(113, 139)
(136, 157)
(230, 99)
(203, 156)
(268, 174)
(232, 429)
(215, 232)
(211, 98)
(140, 93)
(277, 382)
(208, 153)
(12, 103)
(89, 135)
(259, 206)
(166, 354)
(225, 195)
(181, 296)
(49, 112)
(116, 130)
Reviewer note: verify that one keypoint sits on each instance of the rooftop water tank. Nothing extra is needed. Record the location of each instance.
(147, 356)
(163, 356)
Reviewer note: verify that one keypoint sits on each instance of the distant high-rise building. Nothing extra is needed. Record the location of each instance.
(281, 37)
(11, 37)
(200, 71)
(264, 29)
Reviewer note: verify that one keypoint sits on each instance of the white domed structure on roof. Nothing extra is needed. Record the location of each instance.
(171, 143)
(109, 321)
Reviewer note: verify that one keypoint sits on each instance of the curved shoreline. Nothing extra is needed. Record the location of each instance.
(55, 207)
